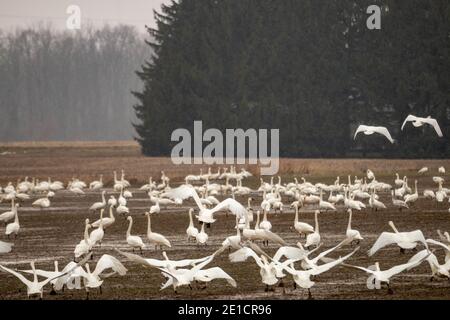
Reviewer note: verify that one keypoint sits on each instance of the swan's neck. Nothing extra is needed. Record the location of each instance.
(35, 278)
(317, 222)
(349, 220)
(296, 214)
(103, 197)
(86, 233)
(149, 225)
(265, 216)
(191, 223)
(393, 227)
(101, 220)
(257, 220)
(129, 228)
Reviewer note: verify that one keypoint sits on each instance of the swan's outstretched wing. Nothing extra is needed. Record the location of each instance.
(385, 239)
(361, 128)
(419, 257)
(17, 275)
(233, 206)
(138, 259)
(184, 192)
(214, 273)
(109, 262)
(385, 132)
(440, 244)
(269, 235)
(241, 255)
(292, 253)
(187, 262)
(402, 267)
(5, 247)
(435, 124)
(327, 266)
(416, 236)
(321, 255)
(409, 118)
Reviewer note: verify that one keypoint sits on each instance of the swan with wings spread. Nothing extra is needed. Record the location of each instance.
(418, 122)
(369, 130)
(205, 215)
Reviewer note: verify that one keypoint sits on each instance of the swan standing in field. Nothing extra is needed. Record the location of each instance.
(374, 203)
(96, 185)
(352, 235)
(418, 122)
(191, 231)
(155, 238)
(423, 170)
(9, 215)
(369, 130)
(96, 236)
(13, 227)
(398, 203)
(324, 205)
(42, 202)
(301, 227)
(405, 240)
(266, 235)
(107, 222)
(441, 170)
(99, 205)
(411, 198)
(313, 239)
(155, 208)
(265, 224)
(84, 246)
(122, 200)
(444, 246)
(134, 241)
(429, 194)
(112, 201)
(202, 236)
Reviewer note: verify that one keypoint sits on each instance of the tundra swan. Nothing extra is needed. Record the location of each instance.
(134, 241)
(302, 228)
(418, 122)
(156, 238)
(313, 239)
(99, 205)
(107, 222)
(352, 234)
(96, 236)
(191, 231)
(369, 130)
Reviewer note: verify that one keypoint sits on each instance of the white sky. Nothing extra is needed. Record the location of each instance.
(19, 13)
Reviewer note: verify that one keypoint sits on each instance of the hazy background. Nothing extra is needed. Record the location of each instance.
(59, 84)
(24, 13)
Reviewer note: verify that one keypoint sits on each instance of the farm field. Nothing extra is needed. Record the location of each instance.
(51, 234)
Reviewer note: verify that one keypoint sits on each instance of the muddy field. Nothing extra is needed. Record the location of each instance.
(51, 234)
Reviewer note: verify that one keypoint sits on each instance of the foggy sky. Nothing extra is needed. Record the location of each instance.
(20, 13)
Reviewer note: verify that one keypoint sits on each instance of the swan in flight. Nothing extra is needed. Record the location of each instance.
(377, 276)
(418, 122)
(156, 238)
(302, 278)
(437, 270)
(134, 241)
(206, 215)
(95, 279)
(405, 240)
(369, 130)
(37, 287)
(444, 246)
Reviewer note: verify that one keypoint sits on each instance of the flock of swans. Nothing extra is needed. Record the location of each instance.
(302, 261)
(416, 122)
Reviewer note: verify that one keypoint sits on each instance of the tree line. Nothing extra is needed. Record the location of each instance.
(310, 68)
(69, 85)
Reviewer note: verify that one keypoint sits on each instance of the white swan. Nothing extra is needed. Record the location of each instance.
(99, 205)
(423, 170)
(411, 198)
(202, 236)
(398, 203)
(134, 241)
(313, 239)
(265, 224)
(13, 227)
(418, 122)
(233, 241)
(206, 215)
(302, 228)
(191, 231)
(42, 203)
(96, 236)
(369, 130)
(156, 238)
(437, 270)
(405, 240)
(96, 185)
(84, 247)
(107, 222)
(9, 215)
(352, 234)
